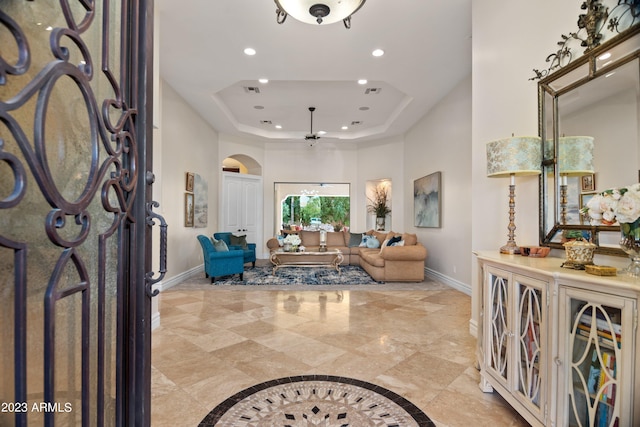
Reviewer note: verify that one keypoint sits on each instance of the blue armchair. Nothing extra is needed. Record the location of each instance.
(218, 264)
(249, 251)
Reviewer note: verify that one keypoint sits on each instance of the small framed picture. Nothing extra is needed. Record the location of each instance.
(188, 210)
(190, 179)
(584, 199)
(588, 182)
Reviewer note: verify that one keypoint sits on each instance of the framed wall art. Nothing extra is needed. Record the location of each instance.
(588, 182)
(427, 201)
(584, 199)
(188, 209)
(200, 202)
(190, 181)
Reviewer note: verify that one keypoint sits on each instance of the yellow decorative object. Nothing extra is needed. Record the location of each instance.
(600, 270)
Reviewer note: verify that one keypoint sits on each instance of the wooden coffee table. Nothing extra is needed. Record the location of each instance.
(330, 258)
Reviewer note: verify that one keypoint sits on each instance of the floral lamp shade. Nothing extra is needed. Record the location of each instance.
(518, 155)
(575, 155)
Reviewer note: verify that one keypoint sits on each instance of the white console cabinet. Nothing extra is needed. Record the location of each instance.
(559, 345)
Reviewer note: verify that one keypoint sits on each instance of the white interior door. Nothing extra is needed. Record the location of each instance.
(241, 207)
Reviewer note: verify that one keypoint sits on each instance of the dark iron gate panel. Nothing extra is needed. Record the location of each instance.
(75, 132)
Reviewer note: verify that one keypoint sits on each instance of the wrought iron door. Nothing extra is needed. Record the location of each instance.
(75, 216)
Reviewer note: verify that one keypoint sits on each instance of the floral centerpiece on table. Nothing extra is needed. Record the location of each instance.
(621, 205)
(293, 240)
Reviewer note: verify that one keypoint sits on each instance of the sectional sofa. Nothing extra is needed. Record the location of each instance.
(403, 262)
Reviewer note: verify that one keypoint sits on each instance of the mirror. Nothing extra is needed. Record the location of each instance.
(596, 96)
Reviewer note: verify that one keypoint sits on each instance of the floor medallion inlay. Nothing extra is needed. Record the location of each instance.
(314, 400)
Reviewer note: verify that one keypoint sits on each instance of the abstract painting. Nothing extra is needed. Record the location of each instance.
(188, 210)
(201, 204)
(426, 201)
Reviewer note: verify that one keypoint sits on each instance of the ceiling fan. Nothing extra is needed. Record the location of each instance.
(311, 136)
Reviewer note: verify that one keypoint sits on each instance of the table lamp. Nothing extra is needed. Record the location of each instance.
(517, 155)
(575, 158)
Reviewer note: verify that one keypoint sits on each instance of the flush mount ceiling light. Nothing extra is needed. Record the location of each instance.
(314, 12)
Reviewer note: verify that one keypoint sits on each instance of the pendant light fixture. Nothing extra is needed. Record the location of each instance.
(320, 13)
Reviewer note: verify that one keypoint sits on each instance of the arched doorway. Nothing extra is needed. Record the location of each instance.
(243, 164)
(241, 201)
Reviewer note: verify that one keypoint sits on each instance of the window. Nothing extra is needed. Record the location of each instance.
(312, 206)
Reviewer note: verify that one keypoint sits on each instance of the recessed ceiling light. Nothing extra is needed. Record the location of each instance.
(322, 132)
(377, 52)
(344, 127)
(362, 81)
(250, 51)
(604, 56)
(278, 127)
(49, 28)
(263, 81)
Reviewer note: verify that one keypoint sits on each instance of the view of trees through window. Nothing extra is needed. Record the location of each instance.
(316, 211)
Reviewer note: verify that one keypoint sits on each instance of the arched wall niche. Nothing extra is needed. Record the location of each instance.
(243, 163)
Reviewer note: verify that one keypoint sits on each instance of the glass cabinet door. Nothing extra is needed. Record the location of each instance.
(497, 332)
(515, 341)
(531, 318)
(594, 332)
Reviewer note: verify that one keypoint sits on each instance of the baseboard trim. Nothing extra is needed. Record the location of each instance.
(473, 328)
(446, 280)
(155, 320)
(179, 278)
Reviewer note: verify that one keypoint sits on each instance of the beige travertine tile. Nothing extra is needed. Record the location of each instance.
(413, 339)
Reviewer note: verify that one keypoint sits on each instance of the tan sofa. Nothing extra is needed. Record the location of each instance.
(384, 264)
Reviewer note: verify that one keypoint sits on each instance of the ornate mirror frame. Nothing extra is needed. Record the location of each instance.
(566, 77)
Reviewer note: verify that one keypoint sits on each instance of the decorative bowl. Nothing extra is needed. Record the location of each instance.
(535, 251)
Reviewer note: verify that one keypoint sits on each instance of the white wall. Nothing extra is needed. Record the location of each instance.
(189, 144)
(441, 142)
(381, 159)
(326, 161)
(504, 101)
(612, 122)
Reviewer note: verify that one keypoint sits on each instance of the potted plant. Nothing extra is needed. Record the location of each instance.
(378, 205)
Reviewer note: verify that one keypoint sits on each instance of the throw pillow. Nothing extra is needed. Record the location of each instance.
(280, 240)
(220, 246)
(373, 243)
(239, 241)
(363, 242)
(354, 239)
(410, 239)
(392, 241)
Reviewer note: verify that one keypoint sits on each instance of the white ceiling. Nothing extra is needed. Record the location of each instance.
(427, 46)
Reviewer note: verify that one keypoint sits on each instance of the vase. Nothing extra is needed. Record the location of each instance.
(286, 247)
(380, 220)
(630, 244)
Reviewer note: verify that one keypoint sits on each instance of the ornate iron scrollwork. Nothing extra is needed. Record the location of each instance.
(73, 272)
(591, 24)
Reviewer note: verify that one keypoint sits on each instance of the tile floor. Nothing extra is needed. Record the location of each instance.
(410, 338)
